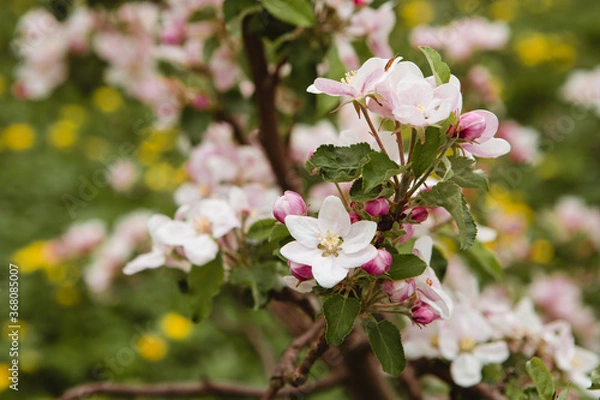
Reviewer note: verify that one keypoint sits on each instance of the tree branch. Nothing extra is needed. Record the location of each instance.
(179, 390)
(265, 86)
(288, 360)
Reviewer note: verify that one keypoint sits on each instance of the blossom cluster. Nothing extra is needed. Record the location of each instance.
(462, 37)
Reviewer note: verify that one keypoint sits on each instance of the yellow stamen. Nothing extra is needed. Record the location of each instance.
(349, 77)
(466, 344)
(330, 243)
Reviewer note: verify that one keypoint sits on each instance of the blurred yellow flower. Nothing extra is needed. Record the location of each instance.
(31, 257)
(67, 296)
(4, 375)
(18, 136)
(160, 177)
(151, 347)
(537, 48)
(542, 252)
(181, 175)
(176, 326)
(107, 99)
(417, 12)
(63, 134)
(74, 113)
(96, 148)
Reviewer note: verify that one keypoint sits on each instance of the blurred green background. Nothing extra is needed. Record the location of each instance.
(51, 148)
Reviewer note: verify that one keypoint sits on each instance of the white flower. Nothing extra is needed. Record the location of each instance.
(464, 340)
(330, 244)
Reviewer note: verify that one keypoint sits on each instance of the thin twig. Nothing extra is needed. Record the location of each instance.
(288, 360)
(316, 350)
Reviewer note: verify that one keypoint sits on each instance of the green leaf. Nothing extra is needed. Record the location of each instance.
(425, 153)
(295, 12)
(204, 283)
(406, 266)
(234, 11)
(595, 376)
(280, 231)
(261, 230)
(340, 313)
(564, 394)
(440, 69)
(465, 175)
(483, 260)
(260, 278)
(542, 378)
(340, 164)
(449, 196)
(379, 170)
(387, 345)
(358, 194)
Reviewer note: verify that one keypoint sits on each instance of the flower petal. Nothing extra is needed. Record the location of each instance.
(357, 258)
(175, 233)
(151, 260)
(423, 248)
(296, 252)
(369, 74)
(327, 273)
(488, 353)
(334, 217)
(466, 370)
(491, 124)
(491, 148)
(304, 229)
(360, 236)
(333, 88)
(201, 250)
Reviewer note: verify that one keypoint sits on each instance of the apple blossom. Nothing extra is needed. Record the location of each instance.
(356, 84)
(291, 203)
(377, 207)
(380, 264)
(302, 272)
(329, 243)
(478, 129)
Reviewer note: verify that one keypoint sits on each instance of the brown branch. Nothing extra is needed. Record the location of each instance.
(238, 132)
(288, 360)
(315, 351)
(179, 390)
(265, 87)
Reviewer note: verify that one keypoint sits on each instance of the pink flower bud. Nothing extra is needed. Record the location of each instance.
(354, 217)
(399, 291)
(377, 207)
(423, 314)
(200, 102)
(471, 125)
(291, 203)
(302, 272)
(380, 264)
(419, 214)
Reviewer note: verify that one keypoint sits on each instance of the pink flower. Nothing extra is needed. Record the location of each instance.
(482, 125)
(356, 84)
(419, 214)
(291, 203)
(302, 272)
(423, 314)
(376, 25)
(380, 264)
(417, 103)
(377, 207)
